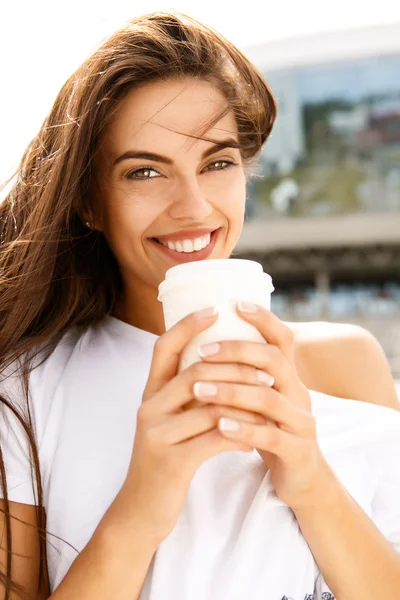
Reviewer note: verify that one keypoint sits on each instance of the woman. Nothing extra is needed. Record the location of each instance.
(146, 149)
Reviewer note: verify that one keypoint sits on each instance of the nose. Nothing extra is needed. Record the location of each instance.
(189, 202)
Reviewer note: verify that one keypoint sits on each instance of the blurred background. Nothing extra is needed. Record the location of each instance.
(323, 212)
(323, 215)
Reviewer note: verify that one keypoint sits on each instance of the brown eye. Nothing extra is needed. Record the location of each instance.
(220, 165)
(142, 174)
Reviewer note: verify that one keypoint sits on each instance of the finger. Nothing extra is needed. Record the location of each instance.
(263, 400)
(270, 326)
(180, 390)
(186, 425)
(268, 438)
(208, 445)
(169, 346)
(267, 358)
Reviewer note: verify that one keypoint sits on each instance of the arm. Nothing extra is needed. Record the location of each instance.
(356, 561)
(25, 550)
(114, 564)
(355, 557)
(341, 536)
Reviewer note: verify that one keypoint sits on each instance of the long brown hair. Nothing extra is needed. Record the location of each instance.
(55, 273)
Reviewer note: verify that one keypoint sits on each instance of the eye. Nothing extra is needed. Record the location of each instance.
(143, 174)
(220, 165)
(147, 173)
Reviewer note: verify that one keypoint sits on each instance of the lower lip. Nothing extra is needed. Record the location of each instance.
(184, 257)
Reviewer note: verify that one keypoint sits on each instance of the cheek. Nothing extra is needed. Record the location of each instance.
(230, 198)
(130, 214)
(126, 220)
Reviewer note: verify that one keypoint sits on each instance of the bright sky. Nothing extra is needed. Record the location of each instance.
(43, 41)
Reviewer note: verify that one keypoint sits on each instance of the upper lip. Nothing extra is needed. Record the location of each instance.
(185, 234)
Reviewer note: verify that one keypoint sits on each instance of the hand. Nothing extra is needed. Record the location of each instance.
(287, 442)
(170, 442)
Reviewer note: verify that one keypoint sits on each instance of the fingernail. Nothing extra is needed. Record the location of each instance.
(228, 425)
(203, 389)
(209, 349)
(206, 313)
(247, 307)
(264, 377)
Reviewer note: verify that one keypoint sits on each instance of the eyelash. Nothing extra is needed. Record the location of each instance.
(130, 175)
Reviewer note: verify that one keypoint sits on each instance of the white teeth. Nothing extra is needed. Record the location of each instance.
(197, 244)
(188, 245)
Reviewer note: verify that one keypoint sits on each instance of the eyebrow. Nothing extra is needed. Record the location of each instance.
(228, 143)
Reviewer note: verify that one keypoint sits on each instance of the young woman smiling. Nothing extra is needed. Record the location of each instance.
(111, 490)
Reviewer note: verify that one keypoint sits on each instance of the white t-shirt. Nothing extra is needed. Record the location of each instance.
(234, 538)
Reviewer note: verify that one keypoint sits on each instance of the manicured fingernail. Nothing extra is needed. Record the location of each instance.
(228, 425)
(203, 389)
(206, 313)
(247, 307)
(209, 349)
(264, 377)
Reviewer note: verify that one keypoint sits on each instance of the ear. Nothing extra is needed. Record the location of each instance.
(89, 216)
(90, 210)
(88, 220)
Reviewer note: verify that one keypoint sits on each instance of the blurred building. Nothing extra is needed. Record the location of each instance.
(343, 269)
(325, 218)
(286, 145)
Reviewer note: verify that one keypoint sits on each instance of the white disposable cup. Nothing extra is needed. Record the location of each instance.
(222, 283)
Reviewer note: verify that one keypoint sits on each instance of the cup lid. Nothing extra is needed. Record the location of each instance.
(215, 269)
(199, 266)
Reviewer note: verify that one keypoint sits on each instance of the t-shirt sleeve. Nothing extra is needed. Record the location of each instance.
(14, 441)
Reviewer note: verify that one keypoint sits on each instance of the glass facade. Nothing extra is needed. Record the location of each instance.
(335, 147)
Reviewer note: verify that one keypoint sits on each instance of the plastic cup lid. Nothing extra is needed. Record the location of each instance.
(212, 270)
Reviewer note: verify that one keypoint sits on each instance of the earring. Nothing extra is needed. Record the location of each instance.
(88, 225)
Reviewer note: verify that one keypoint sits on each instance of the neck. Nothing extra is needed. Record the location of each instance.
(141, 308)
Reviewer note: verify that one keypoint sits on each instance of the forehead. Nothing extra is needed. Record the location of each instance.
(169, 111)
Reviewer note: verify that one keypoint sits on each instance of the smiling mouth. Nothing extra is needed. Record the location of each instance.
(187, 250)
(187, 246)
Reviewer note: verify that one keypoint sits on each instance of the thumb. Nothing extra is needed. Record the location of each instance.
(170, 345)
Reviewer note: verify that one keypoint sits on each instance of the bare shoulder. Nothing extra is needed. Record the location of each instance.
(343, 360)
